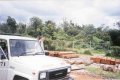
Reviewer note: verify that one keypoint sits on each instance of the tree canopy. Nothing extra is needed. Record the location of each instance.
(68, 31)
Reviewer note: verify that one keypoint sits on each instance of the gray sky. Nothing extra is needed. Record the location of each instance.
(95, 12)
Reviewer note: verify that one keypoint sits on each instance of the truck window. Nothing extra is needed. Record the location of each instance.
(24, 47)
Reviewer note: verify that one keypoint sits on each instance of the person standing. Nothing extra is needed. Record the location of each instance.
(41, 41)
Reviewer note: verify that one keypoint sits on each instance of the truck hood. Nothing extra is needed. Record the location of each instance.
(40, 62)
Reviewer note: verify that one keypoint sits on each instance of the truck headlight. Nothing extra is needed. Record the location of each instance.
(69, 70)
(42, 75)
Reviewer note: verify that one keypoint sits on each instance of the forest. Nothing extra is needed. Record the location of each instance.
(67, 35)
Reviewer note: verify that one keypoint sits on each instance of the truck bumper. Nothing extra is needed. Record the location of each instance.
(67, 78)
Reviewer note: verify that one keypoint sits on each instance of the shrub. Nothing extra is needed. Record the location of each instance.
(116, 50)
(87, 52)
(59, 48)
(47, 44)
(98, 47)
(109, 53)
(84, 46)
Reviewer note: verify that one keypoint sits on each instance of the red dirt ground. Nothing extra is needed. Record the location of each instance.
(78, 76)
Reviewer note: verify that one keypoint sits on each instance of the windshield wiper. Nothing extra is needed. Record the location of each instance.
(38, 53)
(24, 53)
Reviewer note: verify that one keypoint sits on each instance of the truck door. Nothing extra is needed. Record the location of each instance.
(3, 63)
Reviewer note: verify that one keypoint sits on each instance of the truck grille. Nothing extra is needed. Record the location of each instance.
(57, 74)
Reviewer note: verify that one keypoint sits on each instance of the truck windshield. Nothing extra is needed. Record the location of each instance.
(25, 47)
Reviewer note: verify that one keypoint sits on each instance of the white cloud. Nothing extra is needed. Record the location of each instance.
(95, 12)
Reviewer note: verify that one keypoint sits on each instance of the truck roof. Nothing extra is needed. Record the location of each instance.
(7, 37)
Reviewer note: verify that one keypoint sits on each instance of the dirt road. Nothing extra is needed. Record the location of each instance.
(79, 76)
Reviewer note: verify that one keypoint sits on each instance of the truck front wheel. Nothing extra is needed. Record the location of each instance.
(19, 78)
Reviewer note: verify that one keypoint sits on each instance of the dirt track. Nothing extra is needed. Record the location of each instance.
(79, 63)
(80, 76)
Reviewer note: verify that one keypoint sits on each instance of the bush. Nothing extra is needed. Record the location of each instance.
(116, 50)
(87, 52)
(47, 44)
(59, 48)
(108, 54)
(84, 46)
(98, 47)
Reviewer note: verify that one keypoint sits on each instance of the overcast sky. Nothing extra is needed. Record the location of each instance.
(95, 12)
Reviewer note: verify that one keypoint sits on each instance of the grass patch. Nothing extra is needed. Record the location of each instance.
(110, 55)
(87, 52)
(106, 74)
(114, 57)
(98, 51)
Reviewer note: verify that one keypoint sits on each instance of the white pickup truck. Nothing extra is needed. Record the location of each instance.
(21, 58)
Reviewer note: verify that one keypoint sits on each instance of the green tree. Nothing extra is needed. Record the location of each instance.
(4, 28)
(49, 29)
(115, 37)
(21, 28)
(11, 22)
(35, 27)
(35, 22)
(70, 28)
(118, 24)
(115, 40)
(60, 34)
